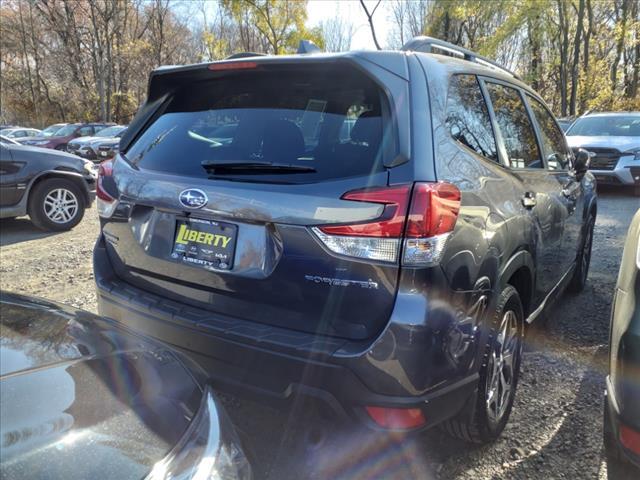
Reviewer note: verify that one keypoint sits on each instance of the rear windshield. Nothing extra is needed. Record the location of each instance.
(305, 125)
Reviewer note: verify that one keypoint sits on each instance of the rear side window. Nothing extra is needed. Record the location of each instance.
(313, 123)
(515, 127)
(552, 137)
(468, 117)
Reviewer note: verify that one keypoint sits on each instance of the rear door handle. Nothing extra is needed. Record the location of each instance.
(529, 200)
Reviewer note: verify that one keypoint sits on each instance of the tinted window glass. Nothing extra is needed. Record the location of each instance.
(552, 137)
(84, 131)
(468, 118)
(515, 127)
(329, 121)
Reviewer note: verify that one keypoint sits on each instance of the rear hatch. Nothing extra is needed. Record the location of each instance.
(225, 194)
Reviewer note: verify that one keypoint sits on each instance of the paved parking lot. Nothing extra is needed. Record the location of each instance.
(555, 428)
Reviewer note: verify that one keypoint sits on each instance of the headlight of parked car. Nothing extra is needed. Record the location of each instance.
(90, 168)
(635, 152)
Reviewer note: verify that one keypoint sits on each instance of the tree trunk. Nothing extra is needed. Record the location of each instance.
(564, 47)
(619, 46)
(576, 59)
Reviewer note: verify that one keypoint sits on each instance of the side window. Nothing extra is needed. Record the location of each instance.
(515, 127)
(86, 131)
(552, 138)
(468, 117)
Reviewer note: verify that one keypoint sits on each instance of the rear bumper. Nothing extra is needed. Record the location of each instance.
(268, 362)
(612, 420)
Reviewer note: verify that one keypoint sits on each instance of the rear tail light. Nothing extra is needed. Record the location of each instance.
(423, 214)
(216, 67)
(432, 217)
(397, 418)
(106, 202)
(630, 439)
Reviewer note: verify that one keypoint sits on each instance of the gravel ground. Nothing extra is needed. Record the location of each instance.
(555, 429)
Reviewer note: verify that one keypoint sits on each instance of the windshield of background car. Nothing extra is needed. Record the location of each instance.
(109, 131)
(607, 126)
(325, 121)
(50, 130)
(66, 131)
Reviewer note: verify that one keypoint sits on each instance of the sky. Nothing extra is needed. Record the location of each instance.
(319, 10)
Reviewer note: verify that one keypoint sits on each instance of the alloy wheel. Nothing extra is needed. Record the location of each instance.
(501, 368)
(61, 205)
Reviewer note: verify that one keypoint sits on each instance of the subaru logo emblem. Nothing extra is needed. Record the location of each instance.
(193, 198)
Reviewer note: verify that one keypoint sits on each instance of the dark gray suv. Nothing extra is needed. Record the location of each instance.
(371, 229)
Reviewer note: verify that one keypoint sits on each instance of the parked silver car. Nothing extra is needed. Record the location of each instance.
(87, 147)
(613, 140)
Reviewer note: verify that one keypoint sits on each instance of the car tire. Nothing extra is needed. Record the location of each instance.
(62, 148)
(636, 190)
(484, 417)
(56, 204)
(583, 260)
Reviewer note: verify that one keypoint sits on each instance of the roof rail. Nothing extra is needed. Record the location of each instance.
(428, 44)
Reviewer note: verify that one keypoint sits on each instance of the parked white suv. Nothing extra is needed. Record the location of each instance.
(613, 139)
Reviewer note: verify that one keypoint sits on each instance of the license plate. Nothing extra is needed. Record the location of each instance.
(602, 178)
(205, 243)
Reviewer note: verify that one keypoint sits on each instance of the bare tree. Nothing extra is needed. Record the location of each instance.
(370, 19)
(409, 19)
(337, 33)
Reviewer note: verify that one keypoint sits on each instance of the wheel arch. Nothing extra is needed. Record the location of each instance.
(76, 178)
(519, 272)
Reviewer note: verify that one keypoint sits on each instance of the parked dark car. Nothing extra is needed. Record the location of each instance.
(389, 275)
(64, 135)
(82, 398)
(613, 142)
(622, 396)
(53, 188)
(87, 147)
(51, 130)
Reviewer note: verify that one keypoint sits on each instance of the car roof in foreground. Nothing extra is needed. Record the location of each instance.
(48, 334)
(74, 385)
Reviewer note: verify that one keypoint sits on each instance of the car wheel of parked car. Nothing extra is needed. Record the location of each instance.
(62, 148)
(579, 279)
(488, 411)
(56, 204)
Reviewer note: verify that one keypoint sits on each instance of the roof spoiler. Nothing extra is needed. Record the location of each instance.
(429, 44)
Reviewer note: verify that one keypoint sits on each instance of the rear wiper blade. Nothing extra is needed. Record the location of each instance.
(253, 167)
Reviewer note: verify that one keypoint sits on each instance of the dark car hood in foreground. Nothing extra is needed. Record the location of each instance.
(81, 398)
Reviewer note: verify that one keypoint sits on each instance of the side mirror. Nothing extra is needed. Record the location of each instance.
(581, 165)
